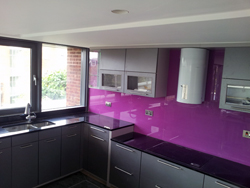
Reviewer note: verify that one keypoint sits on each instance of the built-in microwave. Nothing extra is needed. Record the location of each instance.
(235, 95)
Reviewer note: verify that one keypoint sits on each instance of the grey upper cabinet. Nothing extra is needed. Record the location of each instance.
(210, 182)
(237, 63)
(146, 72)
(142, 60)
(124, 166)
(235, 86)
(112, 59)
(156, 172)
(5, 162)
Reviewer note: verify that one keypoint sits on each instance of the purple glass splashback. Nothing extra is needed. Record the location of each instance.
(203, 127)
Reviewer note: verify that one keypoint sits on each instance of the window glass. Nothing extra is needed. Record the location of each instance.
(61, 76)
(15, 63)
(93, 69)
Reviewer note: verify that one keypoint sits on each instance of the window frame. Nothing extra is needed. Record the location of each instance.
(36, 69)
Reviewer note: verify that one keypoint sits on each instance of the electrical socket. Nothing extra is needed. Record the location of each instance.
(246, 134)
(148, 112)
(108, 104)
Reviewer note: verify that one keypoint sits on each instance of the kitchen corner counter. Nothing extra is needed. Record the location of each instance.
(229, 171)
(105, 122)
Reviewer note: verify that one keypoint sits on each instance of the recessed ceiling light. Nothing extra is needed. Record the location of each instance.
(120, 11)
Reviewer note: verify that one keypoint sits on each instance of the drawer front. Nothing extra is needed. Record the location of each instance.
(215, 183)
(99, 132)
(5, 167)
(50, 133)
(5, 142)
(23, 139)
(125, 166)
(71, 129)
(167, 173)
(153, 183)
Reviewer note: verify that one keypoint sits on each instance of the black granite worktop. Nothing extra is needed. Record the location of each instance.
(229, 171)
(90, 118)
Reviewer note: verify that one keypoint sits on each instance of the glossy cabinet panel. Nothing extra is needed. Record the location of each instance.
(210, 182)
(5, 142)
(124, 166)
(112, 59)
(5, 167)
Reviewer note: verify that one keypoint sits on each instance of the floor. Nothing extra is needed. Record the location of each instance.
(77, 180)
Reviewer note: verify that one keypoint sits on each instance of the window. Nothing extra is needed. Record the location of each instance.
(61, 76)
(93, 69)
(47, 76)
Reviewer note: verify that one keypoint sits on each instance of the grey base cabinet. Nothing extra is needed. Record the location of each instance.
(98, 141)
(124, 166)
(159, 173)
(5, 167)
(210, 182)
(49, 159)
(25, 165)
(71, 143)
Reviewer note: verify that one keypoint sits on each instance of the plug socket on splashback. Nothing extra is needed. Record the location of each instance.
(108, 104)
(246, 134)
(148, 112)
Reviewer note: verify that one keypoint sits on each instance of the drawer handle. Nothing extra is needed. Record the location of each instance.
(98, 138)
(71, 135)
(221, 184)
(240, 108)
(178, 168)
(98, 129)
(130, 150)
(52, 140)
(72, 127)
(27, 146)
(157, 186)
(130, 174)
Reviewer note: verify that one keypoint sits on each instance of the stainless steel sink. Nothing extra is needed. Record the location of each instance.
(27, 126)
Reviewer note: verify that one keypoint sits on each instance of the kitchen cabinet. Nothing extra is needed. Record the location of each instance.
(5, 162)
(25, 160)
(156, 172)
(124, 166)
(111, 80)
(235, 86)
(210, 182)
(112, 59)
(70, 154)
(49, 154)
(146, 72)
(98, 143)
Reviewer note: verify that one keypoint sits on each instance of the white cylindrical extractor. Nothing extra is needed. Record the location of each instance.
(192, 75)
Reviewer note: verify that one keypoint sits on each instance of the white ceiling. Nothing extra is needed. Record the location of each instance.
(159, 23)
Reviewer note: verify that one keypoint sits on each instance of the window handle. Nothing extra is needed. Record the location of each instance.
(34, 79)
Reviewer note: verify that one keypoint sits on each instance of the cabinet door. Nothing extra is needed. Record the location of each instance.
(112, 59)
(49, 159)
(70, 156)
(141, 60)
(111, 80)
(166, 174)
(98, 153)
(124, 166)
(210, 182)
(237, 63)
(25, 165)
(5, 167)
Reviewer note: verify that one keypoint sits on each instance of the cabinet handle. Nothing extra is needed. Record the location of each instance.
(71, 127)
(71, 135)
(223, 185)
(130, 174)
(1, 152)
(27, 146)
(178, 168)
(130, 150)
(98, 138)
(98, 129)
(157, 186)
(240, 108)
(0, 142)
(52, 140)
